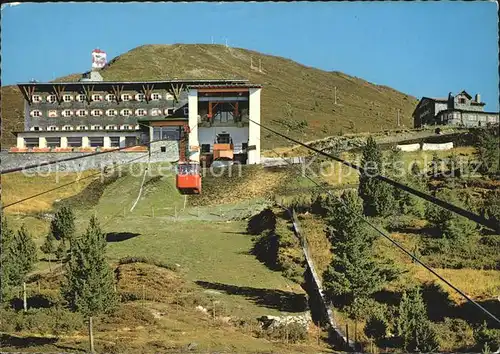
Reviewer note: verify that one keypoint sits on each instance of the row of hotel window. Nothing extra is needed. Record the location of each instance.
(471, 117)
(94, 141)
(98, 97)
(92, 127)
(126, 112)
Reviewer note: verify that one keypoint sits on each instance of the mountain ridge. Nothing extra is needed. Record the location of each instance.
(297, 99)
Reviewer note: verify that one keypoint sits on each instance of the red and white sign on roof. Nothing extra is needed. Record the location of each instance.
(98, 59)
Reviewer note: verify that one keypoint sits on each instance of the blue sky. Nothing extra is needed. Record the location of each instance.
(423, 49)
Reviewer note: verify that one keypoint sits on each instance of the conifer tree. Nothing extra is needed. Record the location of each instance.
(22, 255)
(7, 264)
(453, 165)
(487, 149)
(491, 206)
(89, 286)
(61, 251)
(63, 225)
(49, 246)
(412, 325)
(62, 228)
(404, 202)
(435, 165)
(409, 203)
(378, 196)
(353, 274)
(452, 226)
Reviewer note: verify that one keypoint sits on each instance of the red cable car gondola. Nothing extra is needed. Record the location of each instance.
(188, 178)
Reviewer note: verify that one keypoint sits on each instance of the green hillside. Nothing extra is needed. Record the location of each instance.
(295, 98)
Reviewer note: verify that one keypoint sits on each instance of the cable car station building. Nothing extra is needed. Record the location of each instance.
(95, 115)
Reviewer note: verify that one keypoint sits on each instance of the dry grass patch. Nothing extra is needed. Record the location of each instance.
(313, 229)
(148, 282)
(478, 284)
(238, 184)
(17, 186)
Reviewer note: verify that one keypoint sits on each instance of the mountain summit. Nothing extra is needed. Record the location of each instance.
(304, 102)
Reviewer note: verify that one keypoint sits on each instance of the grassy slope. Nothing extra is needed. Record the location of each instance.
(309, 91)
(12, 104)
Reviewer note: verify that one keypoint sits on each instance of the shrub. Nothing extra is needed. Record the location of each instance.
(46, 299)
(127, 296)
(491, 206)
(279, 249)
(376, 327)
(265, 220)
(147, 260)
(54, 320)
(492, 241)
(478, 253)
(192, 300)
(364, 308)
(65, 321)
(487, 336)
(291, 332)
(129, 313)
(292, 270)
(454, 333)
(8, 320)
(265, 248)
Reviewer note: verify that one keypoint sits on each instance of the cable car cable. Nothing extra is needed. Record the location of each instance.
(17, 169)
(62, 186)
(491, 224)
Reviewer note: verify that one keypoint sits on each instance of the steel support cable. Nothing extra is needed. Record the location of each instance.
(491, 224)
(17, 169)
(395, 243)
(64, 185)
